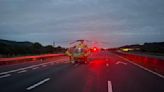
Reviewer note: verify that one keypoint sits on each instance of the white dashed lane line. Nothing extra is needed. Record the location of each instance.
(76, 65)
(110, 86)
(32, 66)
(22, 70)
(6, 75)
(38, 84)
(107, 64)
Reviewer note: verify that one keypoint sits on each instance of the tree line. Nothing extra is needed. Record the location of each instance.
(13, 48)
(154, 47)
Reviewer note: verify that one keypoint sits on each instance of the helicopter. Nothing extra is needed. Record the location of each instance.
(80, 52)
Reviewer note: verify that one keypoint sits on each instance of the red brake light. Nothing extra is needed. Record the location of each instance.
(94, 49)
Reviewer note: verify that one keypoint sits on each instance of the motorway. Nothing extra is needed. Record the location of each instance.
(106, 72)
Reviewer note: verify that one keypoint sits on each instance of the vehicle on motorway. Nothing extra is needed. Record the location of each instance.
(78, 53)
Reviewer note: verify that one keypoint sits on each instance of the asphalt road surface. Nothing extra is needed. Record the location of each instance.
(106, 72)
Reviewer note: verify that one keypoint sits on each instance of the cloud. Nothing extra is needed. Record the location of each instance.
(123, 21)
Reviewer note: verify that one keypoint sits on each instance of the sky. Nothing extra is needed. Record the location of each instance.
(118, 22)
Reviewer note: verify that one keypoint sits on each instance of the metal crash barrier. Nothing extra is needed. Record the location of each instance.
(152, 63)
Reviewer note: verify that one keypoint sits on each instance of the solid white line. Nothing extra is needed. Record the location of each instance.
(109, 86)
(159, 75)
(35, 68)
(22, 71)
(6, 75)
(37, 84)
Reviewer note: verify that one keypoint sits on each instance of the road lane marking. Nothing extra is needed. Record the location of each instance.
(107, 64)
(76, 65)
(22, 71)
(52, 63)
(37, 84)
(110, 86)
(146, 69)
(35, 68)
(6, 75)
(66, 62)
(16, 70)
(119, 62)
(44, 65)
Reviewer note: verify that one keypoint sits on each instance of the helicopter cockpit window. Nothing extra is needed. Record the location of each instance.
(79, 50)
